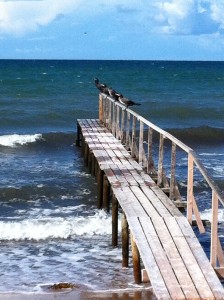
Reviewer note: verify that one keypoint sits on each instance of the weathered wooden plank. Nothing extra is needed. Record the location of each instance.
(189, 259)
(162, 263)
(201, 258)
(166, 201)
(146, 204)
(147, 256)
(173, 255)
(128, 202)
(158, 205)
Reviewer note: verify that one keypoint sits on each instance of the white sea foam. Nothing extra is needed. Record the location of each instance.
(16, 139)
(56, 227)
(207, 215)
(211, 154)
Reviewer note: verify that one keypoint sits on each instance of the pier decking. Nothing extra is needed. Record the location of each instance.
(162, 240)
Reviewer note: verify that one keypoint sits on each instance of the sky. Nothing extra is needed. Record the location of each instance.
(110, 29)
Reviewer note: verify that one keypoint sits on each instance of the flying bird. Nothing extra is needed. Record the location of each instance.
(103, 88)
(115, 95)
(126, 101)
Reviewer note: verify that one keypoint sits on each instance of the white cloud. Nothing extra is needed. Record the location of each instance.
(20, 17)
(184, 17)
(217, 12)
(189, 17)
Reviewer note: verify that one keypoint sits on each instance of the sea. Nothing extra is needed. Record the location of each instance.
(50, 228)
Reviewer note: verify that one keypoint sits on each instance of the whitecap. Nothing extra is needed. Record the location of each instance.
(56, 227)
(14, 140)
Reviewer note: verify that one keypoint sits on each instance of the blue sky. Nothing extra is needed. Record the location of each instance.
(100, 29)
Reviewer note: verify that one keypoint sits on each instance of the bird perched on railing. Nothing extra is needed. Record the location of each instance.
(126, 101)
(114, 94)
(103, 88)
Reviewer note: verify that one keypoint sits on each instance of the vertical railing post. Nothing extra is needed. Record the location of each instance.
(141, 139)
(214, 229)
(118, 122)
(109, 116)
(104, 111)
(150, 166)
(101, 107)
(172, 173)
(133, 138)
(127, 142)
(113, 119)
(122, 125)
(190, 182)
(160, 163)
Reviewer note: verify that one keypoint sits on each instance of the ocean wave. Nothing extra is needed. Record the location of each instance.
(201, 134)
(47, 139)
(207, 215)
(56, 227)
(15, 140)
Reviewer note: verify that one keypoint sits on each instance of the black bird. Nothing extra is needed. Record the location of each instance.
(114, 94)
(126, 101)
(103, 88)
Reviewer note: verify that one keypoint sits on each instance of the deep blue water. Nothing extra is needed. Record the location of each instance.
(48, 217)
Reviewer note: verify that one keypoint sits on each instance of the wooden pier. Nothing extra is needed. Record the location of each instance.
(118, 150)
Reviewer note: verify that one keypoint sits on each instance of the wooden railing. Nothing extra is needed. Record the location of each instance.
(148, 144)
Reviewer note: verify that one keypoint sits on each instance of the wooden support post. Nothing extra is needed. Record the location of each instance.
(78, 138)
(160, 163)
(93, 165)
(86, 154)
(114, 221)
(106, 194)
(214, 230)
(125, 242)
(198, 217)
(172, 173)
(101, 107)
(190, 182)
(220, 254)
(100, 188)
(96, 168)
(83, 146)
(90, 161)
(136, 261)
